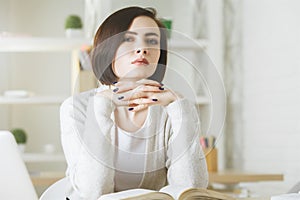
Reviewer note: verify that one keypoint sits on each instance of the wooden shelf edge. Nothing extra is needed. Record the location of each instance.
(235, 178)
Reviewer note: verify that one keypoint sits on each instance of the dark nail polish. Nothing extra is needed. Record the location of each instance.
(116, 89)
(115, 82)
(161, 88)
(130, 109)
(121, 97)
(154, 99)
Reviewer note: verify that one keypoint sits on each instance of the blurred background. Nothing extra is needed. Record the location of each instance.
(238, 58)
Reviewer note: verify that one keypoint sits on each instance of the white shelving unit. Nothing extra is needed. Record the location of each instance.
(32, 100)
(188, 45)
(40, 44)
(37, 45)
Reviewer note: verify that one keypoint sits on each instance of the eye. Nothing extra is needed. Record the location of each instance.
(128, 39)
(152, 41)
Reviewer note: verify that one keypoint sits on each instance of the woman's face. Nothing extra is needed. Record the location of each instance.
(138, 55)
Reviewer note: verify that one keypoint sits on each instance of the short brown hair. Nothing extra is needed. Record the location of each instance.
(106, 43)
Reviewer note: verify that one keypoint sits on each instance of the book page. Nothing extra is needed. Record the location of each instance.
(175, 190)
(201, 193)
(185, 193)
(136, 194)
(124, 194)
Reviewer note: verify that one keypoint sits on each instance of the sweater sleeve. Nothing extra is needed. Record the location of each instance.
(86, 126)
(185, 159)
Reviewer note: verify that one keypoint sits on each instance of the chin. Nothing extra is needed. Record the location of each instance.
(138, 76)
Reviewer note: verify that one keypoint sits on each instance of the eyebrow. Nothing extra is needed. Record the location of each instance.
(146, 34)
(150, 34)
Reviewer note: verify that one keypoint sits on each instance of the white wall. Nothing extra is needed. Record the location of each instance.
(4, 62)
(271, 38)
(215, 53)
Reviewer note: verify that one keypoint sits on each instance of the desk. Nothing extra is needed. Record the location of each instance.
(46, 178)
(255, 198)
(228, 181)
(223, 177)
(236, 177)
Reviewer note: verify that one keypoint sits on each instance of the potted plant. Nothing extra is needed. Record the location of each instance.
(73, 26)
(21, 138)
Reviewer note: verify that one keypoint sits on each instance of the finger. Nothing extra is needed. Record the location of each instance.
(130, 95)
(138, 95)
(148, 88)
(138, 107)
(149, 82)
(124, 87)
(141, 101)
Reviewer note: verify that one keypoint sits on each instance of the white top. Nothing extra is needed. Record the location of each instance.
(130, 158)
(173, 153)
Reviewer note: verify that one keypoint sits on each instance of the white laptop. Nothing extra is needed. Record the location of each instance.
(15, 181)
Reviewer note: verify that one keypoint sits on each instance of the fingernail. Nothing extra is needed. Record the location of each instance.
(116, 89)
(121, 97)
(115, 82)
(130, 109)
(154, 99)
(161, 88)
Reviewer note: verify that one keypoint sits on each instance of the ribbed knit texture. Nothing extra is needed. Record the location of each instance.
(174, 155)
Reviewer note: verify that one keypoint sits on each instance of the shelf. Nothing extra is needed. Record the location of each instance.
(44, 44)
(43, 157)
(193, 45)
(33, 100)
(40, 44)
(45, 178)
(235, 177)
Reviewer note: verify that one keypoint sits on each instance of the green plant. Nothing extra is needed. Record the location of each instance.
(20, 135)
(73, 21)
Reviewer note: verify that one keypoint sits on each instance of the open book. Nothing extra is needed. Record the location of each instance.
(167, 193)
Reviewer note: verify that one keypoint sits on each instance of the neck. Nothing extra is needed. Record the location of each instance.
(128, 120)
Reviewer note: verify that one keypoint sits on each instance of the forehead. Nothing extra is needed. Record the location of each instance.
(144, 24)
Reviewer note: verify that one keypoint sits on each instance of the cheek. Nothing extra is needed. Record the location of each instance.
(119, 61)
(117, 68)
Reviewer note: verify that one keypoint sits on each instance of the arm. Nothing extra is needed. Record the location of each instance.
(89, 175)
(185, 159)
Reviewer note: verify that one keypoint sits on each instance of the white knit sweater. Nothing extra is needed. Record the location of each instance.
(174, 155)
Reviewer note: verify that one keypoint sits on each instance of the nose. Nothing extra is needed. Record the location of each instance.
(141, 51)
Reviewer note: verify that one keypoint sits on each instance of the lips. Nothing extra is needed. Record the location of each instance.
(140, 61)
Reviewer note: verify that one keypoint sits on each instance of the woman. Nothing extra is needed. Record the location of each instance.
(131, 132)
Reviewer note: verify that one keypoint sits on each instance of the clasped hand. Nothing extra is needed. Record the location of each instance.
(139, 95)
